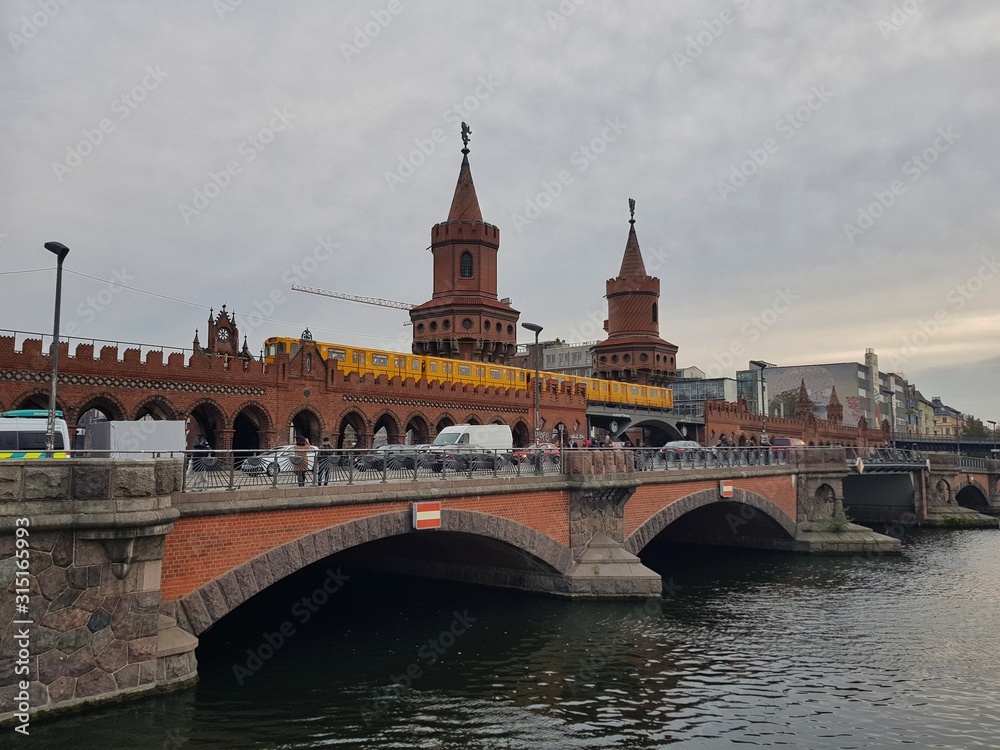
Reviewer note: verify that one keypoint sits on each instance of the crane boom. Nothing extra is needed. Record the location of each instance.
(378, 302)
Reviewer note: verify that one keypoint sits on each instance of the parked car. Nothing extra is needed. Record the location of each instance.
(393, 457)
(281, 459)
(678, 448)
(545, 451)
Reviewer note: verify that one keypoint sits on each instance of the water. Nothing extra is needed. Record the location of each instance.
(760, 650)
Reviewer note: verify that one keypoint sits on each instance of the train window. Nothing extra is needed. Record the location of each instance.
(281, 347)
(380, 360)
(520, 377)
(496, 374)
(354, 357)
(480, 372)
(415, 364)
(634, 391)
(464, 369)
(446, 367)
(271, 350)
(337, 354)
(434, 366)
(361, 358)
(395, 362)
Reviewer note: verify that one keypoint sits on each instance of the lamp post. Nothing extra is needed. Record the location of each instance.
(993, 430)
(61, 251)
(538, 419)
(763, 399)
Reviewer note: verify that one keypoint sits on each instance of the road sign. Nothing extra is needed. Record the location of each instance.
(725, 487)
(427, 515)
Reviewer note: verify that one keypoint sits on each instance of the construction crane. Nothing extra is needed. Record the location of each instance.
(354, 297)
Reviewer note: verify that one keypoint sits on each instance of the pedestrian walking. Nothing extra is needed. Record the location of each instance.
(302, 451)
(324, 460)
(200, 454)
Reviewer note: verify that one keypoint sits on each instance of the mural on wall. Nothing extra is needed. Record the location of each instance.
(783, 390)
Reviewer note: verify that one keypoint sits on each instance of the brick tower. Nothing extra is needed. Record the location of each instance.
(633, 351)
(464, 319)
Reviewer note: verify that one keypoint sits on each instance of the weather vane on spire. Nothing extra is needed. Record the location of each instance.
(466, 132)
(631, 210)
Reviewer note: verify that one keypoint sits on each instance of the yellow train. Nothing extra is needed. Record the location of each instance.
(379, 362)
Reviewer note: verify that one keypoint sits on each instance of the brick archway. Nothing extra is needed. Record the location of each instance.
(648, 531)
(156, 407)
(211, 602)
(972, 495)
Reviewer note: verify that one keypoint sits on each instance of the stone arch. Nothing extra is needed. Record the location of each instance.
(972, 495)
(351, 429)
(942, 492)
(211, 602)
(209, 420)
(445, 420)
(252, 427)
(521, 434)
(416, 430)
(386, 420)
(155, 407)
(497, 419)
(306, 422)
(106, 403)
(642, 536)
(473, 419)
(38, 398)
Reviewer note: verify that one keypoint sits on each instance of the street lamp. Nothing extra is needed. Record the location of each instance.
(993, 429)
(763, 399)
(61, 251)
(538, 420)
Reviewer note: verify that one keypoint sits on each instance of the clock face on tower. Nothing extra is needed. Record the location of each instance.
(223, 334)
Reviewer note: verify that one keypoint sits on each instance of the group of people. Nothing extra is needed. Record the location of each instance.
(324, 460)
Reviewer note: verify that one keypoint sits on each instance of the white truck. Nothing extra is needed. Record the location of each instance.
(462, 446)
(141, 439)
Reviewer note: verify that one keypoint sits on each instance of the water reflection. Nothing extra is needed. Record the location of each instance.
(760, 649)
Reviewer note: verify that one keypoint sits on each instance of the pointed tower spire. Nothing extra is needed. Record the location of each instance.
(632, 264)
(803, 406)
(834, 409)
(465, 319)
(465, 204)
(634, 351)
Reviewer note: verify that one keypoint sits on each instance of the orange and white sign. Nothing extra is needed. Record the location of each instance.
(427, 515)
(726, 487)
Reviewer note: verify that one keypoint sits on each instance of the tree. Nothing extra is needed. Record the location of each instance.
(974, 428)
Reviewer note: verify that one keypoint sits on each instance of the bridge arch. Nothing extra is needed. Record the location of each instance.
(306, 422)
(351, 432)
(972, 495)
(38, 398)
(212, 601)
(417, 430)
(107, 404)
(209, 420)
(521, 434)
(155, 407)
(251, 426)
(743, 507)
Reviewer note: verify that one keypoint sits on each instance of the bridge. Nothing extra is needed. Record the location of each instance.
(124, 568)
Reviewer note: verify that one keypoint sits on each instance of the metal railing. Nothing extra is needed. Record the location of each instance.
(886, 456)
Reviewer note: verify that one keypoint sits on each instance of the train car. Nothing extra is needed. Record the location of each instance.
(365, 361)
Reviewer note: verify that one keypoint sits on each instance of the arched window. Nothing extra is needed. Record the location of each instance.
(654, 313)
(465, 265)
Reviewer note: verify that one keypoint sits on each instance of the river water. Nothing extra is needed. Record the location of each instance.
(750, 649)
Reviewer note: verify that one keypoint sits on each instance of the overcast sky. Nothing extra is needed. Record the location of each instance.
(811, 179)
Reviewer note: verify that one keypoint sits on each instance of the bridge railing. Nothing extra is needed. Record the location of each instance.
(886, 456)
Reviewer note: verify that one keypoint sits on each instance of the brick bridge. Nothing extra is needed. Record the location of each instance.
(125, 570)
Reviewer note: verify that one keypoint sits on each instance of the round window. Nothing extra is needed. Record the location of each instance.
(434, 325)
(510, 330)
(420, 327)
(643, 357)
(486, 325)
(446, 324)
(614, 358)
(627, 358)
(467, 324)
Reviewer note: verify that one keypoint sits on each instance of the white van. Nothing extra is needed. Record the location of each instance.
(23, 432)
(491, 437)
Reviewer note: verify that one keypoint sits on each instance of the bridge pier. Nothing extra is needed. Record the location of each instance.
(85, 539)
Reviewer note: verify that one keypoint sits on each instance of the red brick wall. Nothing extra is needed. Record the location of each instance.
(649, 500)
(202, 548)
